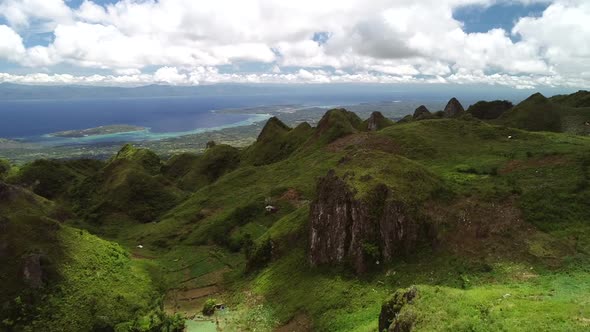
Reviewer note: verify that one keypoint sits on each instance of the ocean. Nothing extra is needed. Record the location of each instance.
(32, 120)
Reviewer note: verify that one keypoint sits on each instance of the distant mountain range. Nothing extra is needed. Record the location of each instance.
(10, 91)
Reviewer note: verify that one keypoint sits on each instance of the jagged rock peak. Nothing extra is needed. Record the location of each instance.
(272, 127)
(337, 123)
(421, 112)
(453, 108)
(536, 97)
(377, 121)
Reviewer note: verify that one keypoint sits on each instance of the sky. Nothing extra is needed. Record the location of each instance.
(521, 44)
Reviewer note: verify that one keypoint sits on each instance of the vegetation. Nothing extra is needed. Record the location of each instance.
(489, 110)
(142, 244)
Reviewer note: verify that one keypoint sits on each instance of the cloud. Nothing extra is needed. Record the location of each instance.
(390, 40)
(44, 13)
(170, 75)
(11, 44)
(211, 75)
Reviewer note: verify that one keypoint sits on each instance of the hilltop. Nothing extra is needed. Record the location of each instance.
(457, 220)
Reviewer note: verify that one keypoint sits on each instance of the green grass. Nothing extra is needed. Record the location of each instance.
(555, 302)
(205, 213)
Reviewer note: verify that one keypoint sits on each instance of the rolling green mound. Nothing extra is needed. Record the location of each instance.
(56, 277)
(578, 99)
(489, 110)
(276, 142)
(335, 124)
(130, 185)
(538, 113)
(452, 224)
(191, 172)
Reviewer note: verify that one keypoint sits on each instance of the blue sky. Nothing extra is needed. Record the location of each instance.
(478, 18)
(517, 43)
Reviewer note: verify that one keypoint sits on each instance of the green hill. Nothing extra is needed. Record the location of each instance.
(578, 99)
(276, 142)
(439, 224)
(57, 277)
(538, 113)
(489, 110)
(192, 172)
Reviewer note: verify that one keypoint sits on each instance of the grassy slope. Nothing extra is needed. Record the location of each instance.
(567, 114)
(466, 154)
(89, 283)
(544, 174)
(470, 157)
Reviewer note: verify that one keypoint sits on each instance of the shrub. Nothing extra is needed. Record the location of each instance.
(4, 168)
(209, 307)
(261, 255)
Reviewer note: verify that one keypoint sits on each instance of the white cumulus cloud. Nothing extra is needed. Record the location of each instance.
(366, 41)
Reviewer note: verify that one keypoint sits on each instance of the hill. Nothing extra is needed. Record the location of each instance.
(447, 223)
(55, 276)
(578, 99)
(538, 113)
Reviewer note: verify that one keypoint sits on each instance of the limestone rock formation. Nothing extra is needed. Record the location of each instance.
(360, 232)
(453, 108)
(421, 113)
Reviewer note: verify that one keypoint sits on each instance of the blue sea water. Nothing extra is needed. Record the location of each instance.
(33, 120)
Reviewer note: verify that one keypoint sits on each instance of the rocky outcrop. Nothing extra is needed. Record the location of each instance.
(33, 271)
(453, 109)
(377, 122)
(421, 113)
(389, 319)
(360, 232)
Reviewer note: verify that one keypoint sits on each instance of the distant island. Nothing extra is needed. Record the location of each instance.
(102, 130)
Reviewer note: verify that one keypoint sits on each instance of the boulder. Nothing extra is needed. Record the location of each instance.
(421, 113)
(389, 315)
(359, 232)
(453, 108)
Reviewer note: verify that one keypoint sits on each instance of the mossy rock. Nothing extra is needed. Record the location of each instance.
(392, 307)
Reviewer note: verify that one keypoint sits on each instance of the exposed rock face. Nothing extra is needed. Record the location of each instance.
(33, 271)
(359, 232)
(421, 113)
(388, 318)
(453, 108)
(377, 121)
